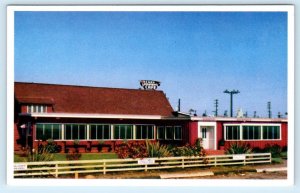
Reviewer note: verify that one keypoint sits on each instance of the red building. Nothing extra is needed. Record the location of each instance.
(91, 116)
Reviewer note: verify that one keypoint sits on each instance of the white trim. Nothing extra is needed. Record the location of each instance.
(214, 119)
(103, 116)
(209, 124)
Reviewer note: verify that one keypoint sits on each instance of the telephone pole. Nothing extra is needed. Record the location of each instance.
(231, 98)
(216, 107)
(269, 110)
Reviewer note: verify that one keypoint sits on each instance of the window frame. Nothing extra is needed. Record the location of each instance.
(72, 139)
(261, 125)
(52, 129)
(136, 130)
(34, 108)
(114, 132)
(165, 132)
(90, 131)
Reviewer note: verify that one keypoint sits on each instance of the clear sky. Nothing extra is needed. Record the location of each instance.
(196, 55)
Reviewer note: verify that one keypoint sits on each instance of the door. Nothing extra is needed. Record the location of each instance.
(207, 135)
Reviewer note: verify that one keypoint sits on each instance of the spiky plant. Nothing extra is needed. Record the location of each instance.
(157, 150)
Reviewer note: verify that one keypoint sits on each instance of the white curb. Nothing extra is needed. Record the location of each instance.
(181, 175)
(271, 169)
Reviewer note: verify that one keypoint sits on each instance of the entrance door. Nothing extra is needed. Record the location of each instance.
(207, 135)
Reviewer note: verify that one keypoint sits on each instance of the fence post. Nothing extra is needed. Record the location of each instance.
(104, 168)
(215, 160)
(182, 162)
(245, 160)
(56, 170)
(270, 157)
(76, 175)
(146, 168)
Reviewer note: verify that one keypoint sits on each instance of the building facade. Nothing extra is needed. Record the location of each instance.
(95, 119)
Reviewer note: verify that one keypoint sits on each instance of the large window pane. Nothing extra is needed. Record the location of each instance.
(233, 132)
(56, 131)
(178, 132)
(93, 132)
(271, 132)
(129, 132)
(251, 132)
(106, 131)
(169, 132)
(82, 131)
(144, 132)
(116, 132)
(47, 131)
(68, 132)
(160, 132)
(39, 131)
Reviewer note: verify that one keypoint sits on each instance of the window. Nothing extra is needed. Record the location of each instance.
(144, 132)
(36, 108)
(169, 132)
(233, 132)
(161, 132)
(123, 132)
(48, 131)
(75, 131)
(271, 132)
(100, 132)
(204, 130)
(178, 132)
(251, 132)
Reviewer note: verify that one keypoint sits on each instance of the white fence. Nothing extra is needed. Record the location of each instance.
(56, 168)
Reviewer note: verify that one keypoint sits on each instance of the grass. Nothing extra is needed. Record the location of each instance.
(84, 156)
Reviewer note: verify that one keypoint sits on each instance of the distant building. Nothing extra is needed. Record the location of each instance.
(88, 116)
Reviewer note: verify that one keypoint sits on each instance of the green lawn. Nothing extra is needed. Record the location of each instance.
(84, 156)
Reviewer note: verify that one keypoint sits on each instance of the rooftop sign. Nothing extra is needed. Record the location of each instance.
(149, 84)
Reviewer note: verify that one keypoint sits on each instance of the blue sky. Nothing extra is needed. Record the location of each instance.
(196, 55)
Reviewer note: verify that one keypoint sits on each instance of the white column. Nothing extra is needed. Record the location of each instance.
(111, 131)
(62, 131)
(87, 131)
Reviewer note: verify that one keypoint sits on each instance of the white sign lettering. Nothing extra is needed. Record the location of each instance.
(149, 84)
(146, 161)
(20, 167)
(238, 157)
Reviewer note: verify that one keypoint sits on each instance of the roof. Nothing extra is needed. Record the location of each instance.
(94, 100)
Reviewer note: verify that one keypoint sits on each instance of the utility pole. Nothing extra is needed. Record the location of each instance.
(269, 110)
(178, 105)
(231, 100)
(216, 107)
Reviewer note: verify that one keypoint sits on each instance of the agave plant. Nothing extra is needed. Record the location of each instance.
(157, 150)
(238, 148)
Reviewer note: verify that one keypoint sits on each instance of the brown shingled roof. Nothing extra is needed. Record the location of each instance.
(83, 99)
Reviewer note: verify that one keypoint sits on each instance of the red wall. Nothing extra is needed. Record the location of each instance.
(193, 132)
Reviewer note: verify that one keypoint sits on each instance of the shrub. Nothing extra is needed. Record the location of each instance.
(52, 147)
(154, 149)
(275, 150)
(189, 150)
(42, 154)
(131, 150)
(238, 148)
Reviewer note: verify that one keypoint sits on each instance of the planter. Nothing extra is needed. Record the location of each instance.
(105, 149)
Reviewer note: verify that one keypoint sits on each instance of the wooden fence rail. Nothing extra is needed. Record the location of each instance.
(56, 168)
